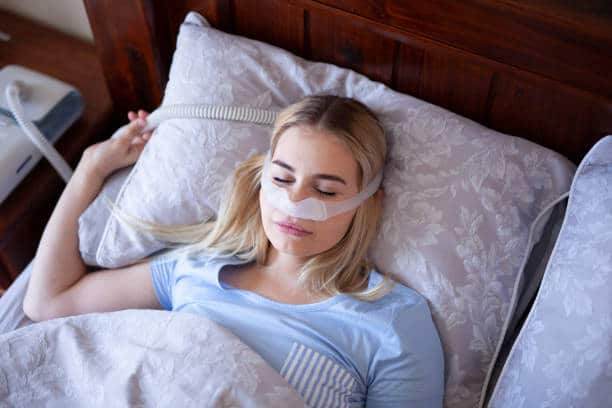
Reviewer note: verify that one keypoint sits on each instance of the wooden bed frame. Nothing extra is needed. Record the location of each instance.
(538, 69)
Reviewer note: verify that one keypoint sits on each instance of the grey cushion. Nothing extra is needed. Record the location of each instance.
(563, 354)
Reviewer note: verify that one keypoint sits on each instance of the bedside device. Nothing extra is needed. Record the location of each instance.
(52, 105)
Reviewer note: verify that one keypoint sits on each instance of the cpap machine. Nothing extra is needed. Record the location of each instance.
(35, 110)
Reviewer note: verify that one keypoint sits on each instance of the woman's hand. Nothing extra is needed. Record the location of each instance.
(132, 116)
(103, 158)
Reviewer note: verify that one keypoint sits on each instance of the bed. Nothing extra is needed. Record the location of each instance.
(538, 71)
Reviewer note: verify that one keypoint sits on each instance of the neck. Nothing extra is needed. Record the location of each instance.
(281, 266)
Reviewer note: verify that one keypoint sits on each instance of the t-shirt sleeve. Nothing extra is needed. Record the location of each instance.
(408, 370)
(162, 275)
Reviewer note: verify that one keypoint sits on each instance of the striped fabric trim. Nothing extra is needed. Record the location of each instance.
(320, 381)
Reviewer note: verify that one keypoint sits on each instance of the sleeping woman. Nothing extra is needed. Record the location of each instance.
(283, 266)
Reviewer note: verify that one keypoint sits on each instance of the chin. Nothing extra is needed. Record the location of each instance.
(292, 248)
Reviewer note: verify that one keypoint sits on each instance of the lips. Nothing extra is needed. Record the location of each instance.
(293, 229)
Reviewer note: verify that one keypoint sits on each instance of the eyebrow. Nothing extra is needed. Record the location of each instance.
(321, 176)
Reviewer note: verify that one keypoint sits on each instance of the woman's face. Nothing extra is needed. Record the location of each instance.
(309, 162)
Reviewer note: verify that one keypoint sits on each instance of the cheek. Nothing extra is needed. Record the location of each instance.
(268, 213)
(332, 230)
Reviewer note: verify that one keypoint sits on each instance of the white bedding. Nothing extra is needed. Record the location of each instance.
(11, 303)
(135, 358)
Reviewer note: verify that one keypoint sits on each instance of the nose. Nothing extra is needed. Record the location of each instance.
(297, 192)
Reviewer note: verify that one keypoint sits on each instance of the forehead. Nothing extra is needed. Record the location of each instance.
(313, 151)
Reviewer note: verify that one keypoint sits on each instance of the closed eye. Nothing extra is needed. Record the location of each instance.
(280, 180)
(325, 193)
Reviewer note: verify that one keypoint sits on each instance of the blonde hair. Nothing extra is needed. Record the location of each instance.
(238, 229)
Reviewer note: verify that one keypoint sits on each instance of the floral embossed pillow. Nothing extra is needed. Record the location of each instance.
(562, 356)
(460, 198)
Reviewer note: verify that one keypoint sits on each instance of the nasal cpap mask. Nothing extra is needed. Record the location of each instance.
(311, 208)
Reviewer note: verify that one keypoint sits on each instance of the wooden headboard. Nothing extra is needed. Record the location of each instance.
(539, 69)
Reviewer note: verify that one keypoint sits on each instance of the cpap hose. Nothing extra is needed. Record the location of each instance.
(233, 113)
(13, 91)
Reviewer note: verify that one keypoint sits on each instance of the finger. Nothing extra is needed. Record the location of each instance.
(134, 128)
(132, 115)
(140, 123)
(143, 114)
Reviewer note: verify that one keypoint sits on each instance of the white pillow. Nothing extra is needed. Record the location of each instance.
(460, 198)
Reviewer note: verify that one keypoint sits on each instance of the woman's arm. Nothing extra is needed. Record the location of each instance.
(58, 285)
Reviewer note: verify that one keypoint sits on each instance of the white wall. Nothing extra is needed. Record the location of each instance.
(68, 16)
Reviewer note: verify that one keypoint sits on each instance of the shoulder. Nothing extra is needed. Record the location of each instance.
(186, 262)
(399, 314)
(409, 325)
(410, 355)
(399, 298)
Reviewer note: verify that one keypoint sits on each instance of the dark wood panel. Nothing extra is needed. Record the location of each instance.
(127, 45)
(557, 39)
(446, 79)
(272, 22)
(217, 12)
(338, 40)
(456, 83)
(562, 119)
(168, 16)
(596, 14)
(408, 70)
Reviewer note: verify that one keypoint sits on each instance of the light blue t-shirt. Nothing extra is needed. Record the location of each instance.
(340, 352)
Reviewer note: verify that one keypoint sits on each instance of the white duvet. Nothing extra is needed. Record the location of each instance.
(135, 358)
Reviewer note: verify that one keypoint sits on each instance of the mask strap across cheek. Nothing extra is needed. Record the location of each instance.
(312, 208)
(338, 207)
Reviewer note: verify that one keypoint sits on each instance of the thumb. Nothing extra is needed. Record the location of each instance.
(134, 151)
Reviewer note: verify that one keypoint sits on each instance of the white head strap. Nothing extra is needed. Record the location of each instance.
(311, 208)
